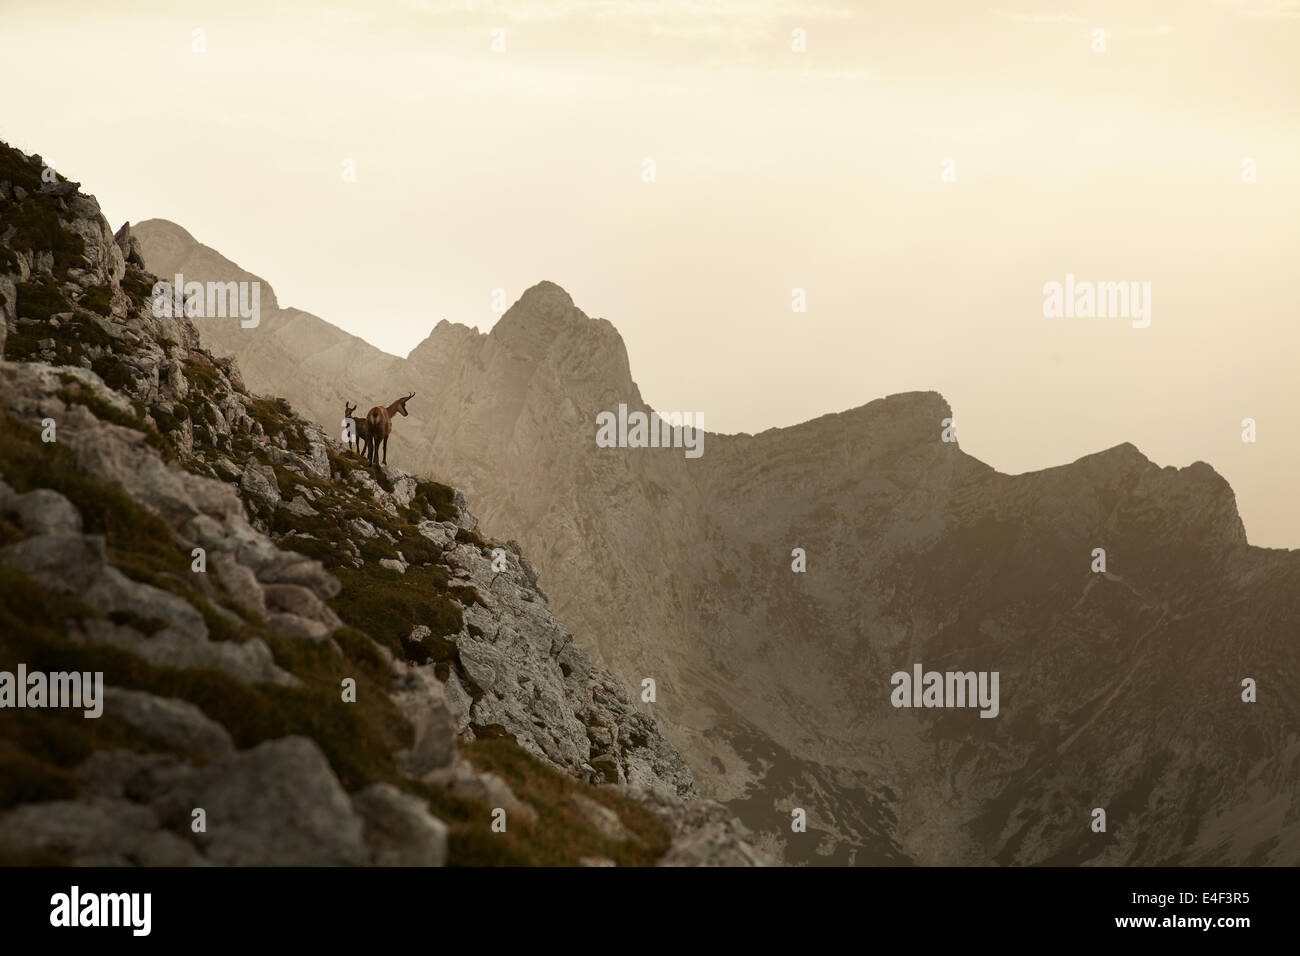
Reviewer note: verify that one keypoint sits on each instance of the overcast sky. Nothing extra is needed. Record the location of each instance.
(776, 170)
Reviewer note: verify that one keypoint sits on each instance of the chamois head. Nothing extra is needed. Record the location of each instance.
(348, 409)
(401, 403)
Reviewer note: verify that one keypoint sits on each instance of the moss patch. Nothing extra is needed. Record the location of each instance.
(561, 834)
(387, 605)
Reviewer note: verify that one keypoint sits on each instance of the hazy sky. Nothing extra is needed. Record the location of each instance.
(776, 170)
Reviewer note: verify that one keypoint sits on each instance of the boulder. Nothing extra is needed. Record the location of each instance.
(278, 804)
(259, 485)
(399, 829)
(176, 724)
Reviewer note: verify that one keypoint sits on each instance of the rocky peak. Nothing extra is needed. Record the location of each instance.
(172, 251)
(447, 344)
(545, 319)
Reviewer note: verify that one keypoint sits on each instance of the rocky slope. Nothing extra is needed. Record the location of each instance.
(328, 660)
(1120, 689)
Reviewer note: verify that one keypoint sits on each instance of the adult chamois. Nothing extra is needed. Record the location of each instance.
(360, 430)
(379, 424)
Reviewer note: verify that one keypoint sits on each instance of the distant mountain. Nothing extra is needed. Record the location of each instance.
(1120, 689)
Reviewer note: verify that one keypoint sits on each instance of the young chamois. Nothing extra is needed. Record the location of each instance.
(379, 424)
(360, 430)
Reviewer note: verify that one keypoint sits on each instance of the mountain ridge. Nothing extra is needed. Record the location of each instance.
(774, 681)
(550, 302)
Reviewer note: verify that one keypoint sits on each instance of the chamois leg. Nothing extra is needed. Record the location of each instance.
(385, 449)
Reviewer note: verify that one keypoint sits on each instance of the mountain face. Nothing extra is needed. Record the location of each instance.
(302, 660)
(1120, 683)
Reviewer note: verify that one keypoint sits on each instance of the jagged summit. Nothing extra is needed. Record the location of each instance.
(545, 296)
(544, 315)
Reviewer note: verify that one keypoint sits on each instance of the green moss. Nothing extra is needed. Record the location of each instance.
(39, 229)
(73, 338)
(149, 626)
(464, 536)
(467, 595)
(562, 834)
(432, 650)
(138, 285)
(272, 414)
(10, 532)
(139, 543)
(131, 530)
(202, 373)
(357, 738)
(339, 465)
(47, 742)
(362, 650)
(166, 421)
(116, 374)
(99, 299)
(388, 605)
(323, 551)
(18, 169)
(26, 779)
(23, 345)
(440, 498)
(39, 300)
(377, 549)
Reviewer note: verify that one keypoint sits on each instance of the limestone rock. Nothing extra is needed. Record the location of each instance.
(399, 829)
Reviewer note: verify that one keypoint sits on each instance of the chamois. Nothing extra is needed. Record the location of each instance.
(379, 425)
(360, 430)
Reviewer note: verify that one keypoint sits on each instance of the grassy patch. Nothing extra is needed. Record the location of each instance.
(39, 229)
(441, 499)
(202, 374)
(358, 738)
(40, 300)
(140, 544)
(78, 393)
(10, 532)
(26, 779)
(561, 834)
(273, 414)
(20, 170)
(99, 299)
(116, 374)
(387, 605)
(138, 285)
